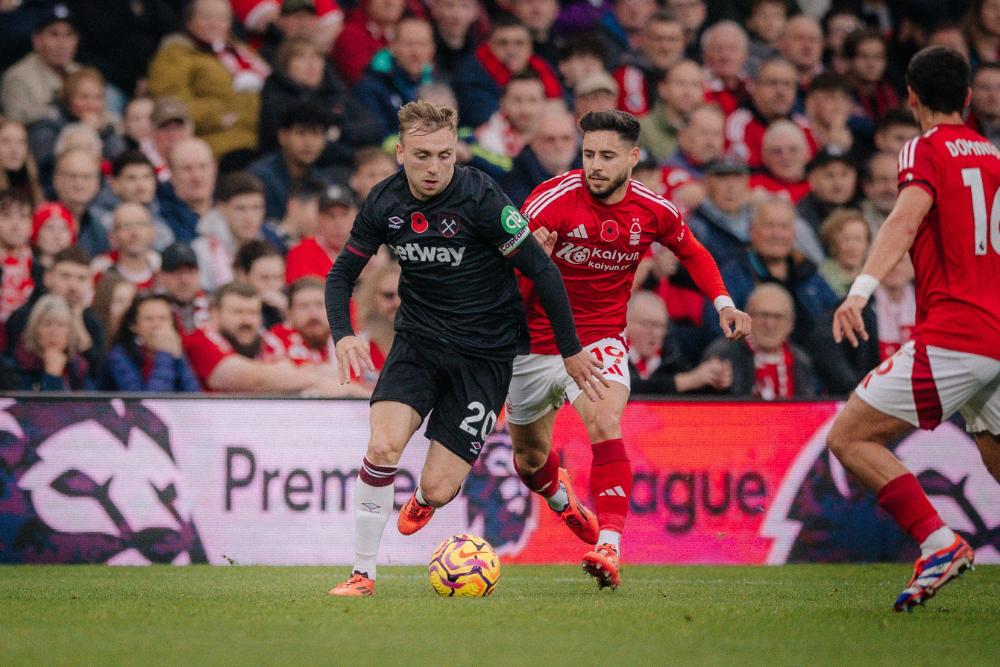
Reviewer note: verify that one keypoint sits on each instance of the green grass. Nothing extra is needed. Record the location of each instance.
(802, 615)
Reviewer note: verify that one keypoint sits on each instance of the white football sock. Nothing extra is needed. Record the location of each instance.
(372, 506)
(419, 495)
(939, 539)
(611, 537)
(559, 500)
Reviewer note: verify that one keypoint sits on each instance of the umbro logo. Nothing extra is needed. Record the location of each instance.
(579, 233)
(395, 222)
(613, 491)
(371, 507)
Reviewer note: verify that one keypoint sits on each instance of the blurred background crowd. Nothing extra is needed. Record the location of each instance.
(176, 178)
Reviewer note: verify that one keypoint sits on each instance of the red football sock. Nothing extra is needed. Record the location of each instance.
(905, 500)
(610, 483)
(545, 480)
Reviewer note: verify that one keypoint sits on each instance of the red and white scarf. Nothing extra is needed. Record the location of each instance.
(895, 320)
(774, 373)
(645, 365)
(17, 284)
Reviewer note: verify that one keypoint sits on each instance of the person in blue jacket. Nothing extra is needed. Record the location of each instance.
(146, 354)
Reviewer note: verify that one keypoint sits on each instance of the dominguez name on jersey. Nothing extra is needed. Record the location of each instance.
(414, 252)
(597, 258)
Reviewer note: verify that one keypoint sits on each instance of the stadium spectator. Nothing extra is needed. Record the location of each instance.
(895, 308)
(765, 24)
(137, 123)
(77, 180)
(181, 283)
(879, 183)
(18, 169)
(677, 96)
(188, 196)
(301, 137)
(767, 364)
(377, 303)
(19, 272)
(301, 212)
(133, 257)
(865, 51)
(654, 365)
(70, 278)
(982, 30)
(801, 44)
(368, 29)
(583, 56)
(949, 34)
(554, 150)
(722, 220)
(771, 258)
(48, 356)
(482, 77)
(304, 339)
(827, 109)
(692, 15)
(984, 110)
(269, 22)
(784, 154)
(82, 100)
(846, 237)
(841, 366)
(833, 183)
(539, 16)
(237, 218)
(725, 48)
(772, 99)
(511, 126)
(227, 352)
(700, 142)
(622, 25)
(302, 75)
(660, 45)
(372, 165)
(395, 74)
(314, 255)
(171, 125)
(838, 23)
(133, 181)
(31, 86)
(894, 129)
(146, 353)
(260, 265)
(455, 33)
(219, 79)
(112, 297)
(597, 92)
(52, 231)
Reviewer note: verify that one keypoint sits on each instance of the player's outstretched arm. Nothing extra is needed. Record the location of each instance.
(352, 353)
(893, 241)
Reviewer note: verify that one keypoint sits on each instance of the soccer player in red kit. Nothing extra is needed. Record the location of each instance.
(946, 217)
(598, 223)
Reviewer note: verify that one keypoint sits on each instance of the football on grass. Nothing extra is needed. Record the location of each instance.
(464, 566)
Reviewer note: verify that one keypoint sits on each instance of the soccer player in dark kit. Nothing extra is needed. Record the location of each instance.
(459, 326)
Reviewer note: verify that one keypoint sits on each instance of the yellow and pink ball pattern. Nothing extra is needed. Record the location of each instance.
(464, 566)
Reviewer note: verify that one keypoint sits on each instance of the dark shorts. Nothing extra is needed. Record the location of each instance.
(464, 395)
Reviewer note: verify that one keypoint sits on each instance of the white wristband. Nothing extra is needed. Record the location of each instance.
(864, 286)
(723, 301)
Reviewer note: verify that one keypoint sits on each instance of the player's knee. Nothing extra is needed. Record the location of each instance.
(438, 492)
(383, 451)
(603, 425)
(529, 459)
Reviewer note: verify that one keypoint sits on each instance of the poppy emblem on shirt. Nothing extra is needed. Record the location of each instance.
(418, 223)
(609, 231)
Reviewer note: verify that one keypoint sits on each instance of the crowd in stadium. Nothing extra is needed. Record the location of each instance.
(176, 178)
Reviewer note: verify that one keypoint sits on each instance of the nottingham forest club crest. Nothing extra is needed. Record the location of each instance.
(512, 220)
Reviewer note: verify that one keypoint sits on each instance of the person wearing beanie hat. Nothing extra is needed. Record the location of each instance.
(52, 229)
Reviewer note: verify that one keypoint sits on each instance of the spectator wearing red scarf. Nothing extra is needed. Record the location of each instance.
(767, 364)
(17, 267)
(481, 79)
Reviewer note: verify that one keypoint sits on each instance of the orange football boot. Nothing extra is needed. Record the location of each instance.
(413, 516)
(603, 564)
(357, 586)
(578, 516)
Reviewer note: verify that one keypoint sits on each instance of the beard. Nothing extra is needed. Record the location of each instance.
(612, 186)
(249, 350)
(315, 334)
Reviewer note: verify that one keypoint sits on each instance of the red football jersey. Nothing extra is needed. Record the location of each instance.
(956, 254)
(282, 342)
(598, 249)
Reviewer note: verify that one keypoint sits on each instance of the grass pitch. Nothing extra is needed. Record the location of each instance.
(808, 614)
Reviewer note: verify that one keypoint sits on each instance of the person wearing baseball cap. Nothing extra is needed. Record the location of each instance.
(722, 220)
(315, 254)
(52, 229)
(597, 92)
(181, 282)
(833, 184)
(31, 86)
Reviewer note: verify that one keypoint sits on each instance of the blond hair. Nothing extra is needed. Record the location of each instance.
(47, 306)
(835, 223)
(422, 117)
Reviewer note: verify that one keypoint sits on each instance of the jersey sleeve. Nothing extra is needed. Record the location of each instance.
(919, 165)
(203, 354)
(677, 236)
(499, 223)
(368, 232)
(537, 212)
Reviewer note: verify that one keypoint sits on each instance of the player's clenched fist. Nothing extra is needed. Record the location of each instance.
(352, 356)
(735, 323)
(586, 372)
